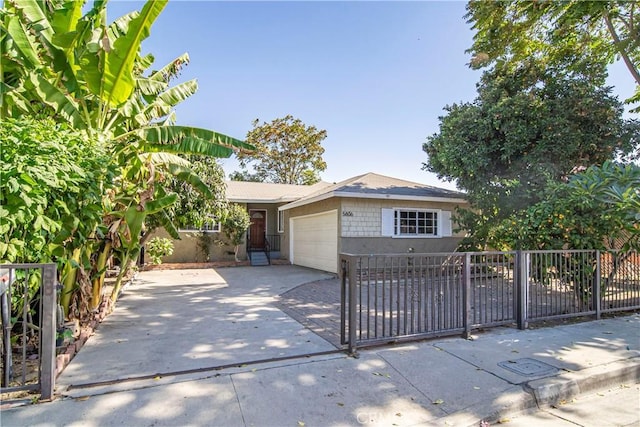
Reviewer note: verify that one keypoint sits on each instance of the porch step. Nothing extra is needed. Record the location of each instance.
(259, 259)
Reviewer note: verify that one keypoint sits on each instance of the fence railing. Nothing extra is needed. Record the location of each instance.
(396, 297)
(28, 307)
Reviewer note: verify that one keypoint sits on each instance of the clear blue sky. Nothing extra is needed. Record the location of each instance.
(375, 75)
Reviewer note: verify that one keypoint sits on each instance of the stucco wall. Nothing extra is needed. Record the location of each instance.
(389, 245)
(188, 248)
(191, 247)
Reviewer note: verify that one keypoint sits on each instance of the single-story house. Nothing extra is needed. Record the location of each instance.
(312, 225)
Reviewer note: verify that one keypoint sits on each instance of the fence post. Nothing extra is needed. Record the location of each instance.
(48, 332)
(343, 300)
(466, 295)
(353, 267)
(596, 285)
(522, 280)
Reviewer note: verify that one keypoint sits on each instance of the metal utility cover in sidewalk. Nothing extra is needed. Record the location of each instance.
(528, 367)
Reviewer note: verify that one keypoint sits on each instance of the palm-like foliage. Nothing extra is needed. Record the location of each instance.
(79, 69)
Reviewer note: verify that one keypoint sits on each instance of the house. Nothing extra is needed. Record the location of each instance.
(311, 225)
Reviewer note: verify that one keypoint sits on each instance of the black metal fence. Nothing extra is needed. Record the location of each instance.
(28, 306)
(407, 296)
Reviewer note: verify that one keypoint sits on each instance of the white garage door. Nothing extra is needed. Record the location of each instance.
(314, 242)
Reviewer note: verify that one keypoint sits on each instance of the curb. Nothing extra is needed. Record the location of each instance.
(550, 391)
(542, 393)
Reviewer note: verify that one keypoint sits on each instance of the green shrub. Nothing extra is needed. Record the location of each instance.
(159, 247)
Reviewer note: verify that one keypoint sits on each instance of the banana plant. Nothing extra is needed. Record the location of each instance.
(81, 70)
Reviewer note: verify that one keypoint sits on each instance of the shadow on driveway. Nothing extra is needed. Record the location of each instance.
(185, 320)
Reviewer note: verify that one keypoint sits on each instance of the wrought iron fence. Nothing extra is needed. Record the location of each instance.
(28, 302)
(408, 296)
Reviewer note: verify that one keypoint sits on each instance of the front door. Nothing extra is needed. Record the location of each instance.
(257, 228)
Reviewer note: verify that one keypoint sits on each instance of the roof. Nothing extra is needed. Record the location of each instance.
(374, 186)
(263, 192)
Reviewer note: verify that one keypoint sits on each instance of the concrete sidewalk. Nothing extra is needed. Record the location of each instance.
(500, 373)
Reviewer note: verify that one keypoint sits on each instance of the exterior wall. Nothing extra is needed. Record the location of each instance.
(363, 217)
(390, 245)
(321, 206)
(361, 231)
(192, 246)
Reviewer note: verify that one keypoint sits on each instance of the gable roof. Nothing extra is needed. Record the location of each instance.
(264, 192)
(374, 186)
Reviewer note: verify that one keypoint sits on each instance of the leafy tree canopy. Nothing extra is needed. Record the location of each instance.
(286, 152)
(598, 208)
(235, 224)
(51, 189)
(575, 35)
(527, 129)
(67, 62)
(244, 176)
(193, 207)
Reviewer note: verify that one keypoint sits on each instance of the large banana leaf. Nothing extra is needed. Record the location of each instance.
(170, 70)
(189, 176)
(195, 140)
(23, 42)
(150, 87)
(34, 13)
(179, 93)
(165, 159)
(160, 204)
(168, 225)
(115, 83)
(60, 102)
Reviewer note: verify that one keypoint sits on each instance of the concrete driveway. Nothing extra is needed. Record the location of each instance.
(181, 321)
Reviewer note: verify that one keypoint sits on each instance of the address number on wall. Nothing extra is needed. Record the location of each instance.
(347, 213)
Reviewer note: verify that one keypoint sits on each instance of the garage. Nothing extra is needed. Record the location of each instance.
(314, 241)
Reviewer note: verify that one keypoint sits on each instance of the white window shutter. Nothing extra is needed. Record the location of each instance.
(388, 223)
(445, 223)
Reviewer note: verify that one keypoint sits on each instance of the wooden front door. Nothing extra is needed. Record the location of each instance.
(257, 228)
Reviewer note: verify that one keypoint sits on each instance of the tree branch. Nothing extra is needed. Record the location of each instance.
(621, 51)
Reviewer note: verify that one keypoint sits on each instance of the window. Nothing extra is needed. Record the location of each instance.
(211, 226)
(414, 223)
(408, 222)
(280, 221)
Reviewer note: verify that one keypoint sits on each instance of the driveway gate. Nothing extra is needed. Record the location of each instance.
(396, 297)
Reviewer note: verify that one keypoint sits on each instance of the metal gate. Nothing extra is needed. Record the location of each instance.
(28, 302)
(395, 297)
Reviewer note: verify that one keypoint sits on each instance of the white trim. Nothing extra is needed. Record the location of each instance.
(347, 194)
(217, 229)
(280, 224)
(387, 228)
(297, 203)
(256, 201)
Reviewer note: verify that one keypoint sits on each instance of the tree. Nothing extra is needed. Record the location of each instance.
(616, 187)
(79, 70)
(244, 176)
(575, 35)
(235, 224)
(193, 207)
(286, 151)
(51, 188)
(527, 129)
